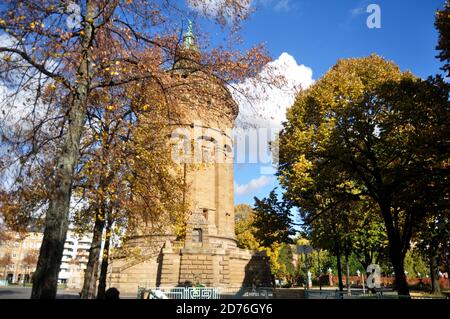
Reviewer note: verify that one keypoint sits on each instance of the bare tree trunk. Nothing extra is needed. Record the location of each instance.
(347, 278)
(434, 272)
(339, 268)
(56, 220)
(91, 272)
(447, 264)
(45, 279)
(105, 260)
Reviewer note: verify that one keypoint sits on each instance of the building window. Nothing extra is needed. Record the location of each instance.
(197, 235)
(205, 213)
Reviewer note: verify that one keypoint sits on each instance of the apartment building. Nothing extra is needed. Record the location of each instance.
(19, 254)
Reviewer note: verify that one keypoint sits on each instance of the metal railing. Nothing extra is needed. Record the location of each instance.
(261, 293)
(336, 294)
(178, 293)
(247, 292)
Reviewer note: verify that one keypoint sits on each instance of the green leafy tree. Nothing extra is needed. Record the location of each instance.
(368, 233)
(432, 241)
(379, 133)
(281, 262)
(443, 26)
(273, 223)
(415, 264)
(244, 227)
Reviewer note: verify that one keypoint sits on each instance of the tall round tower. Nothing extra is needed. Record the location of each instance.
(202, 116)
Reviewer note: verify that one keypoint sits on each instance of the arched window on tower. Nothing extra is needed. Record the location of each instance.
(197, 235)
(208, 149)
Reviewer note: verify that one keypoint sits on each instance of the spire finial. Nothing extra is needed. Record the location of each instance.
(189, 37)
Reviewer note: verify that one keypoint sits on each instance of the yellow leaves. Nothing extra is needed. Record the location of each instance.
(349, 186)
(35, 24)
(2, 22)
(302, 169)
(145, 107)
(111, 107)
(56, 55)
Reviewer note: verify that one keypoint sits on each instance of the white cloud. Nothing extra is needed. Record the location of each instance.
(262, 109)
(359, 9)
(356, 12)
(252, 186)
(268, 104)
(221, 8)
(214, 8)
(283, 5)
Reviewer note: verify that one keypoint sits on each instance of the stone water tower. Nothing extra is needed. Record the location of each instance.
(208, 254)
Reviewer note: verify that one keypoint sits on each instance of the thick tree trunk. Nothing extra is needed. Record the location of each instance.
(397, 256)
(45, 279)
(401, 283)
(91, 272)
(105, 261)
(434, 272)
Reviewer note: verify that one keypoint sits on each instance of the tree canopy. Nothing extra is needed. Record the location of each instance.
(368, 129)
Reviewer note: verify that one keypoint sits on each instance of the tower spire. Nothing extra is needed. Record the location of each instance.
(189, 38)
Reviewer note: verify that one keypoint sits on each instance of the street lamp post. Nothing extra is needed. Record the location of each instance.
(319, 270)
(330, 273)
(361, 275)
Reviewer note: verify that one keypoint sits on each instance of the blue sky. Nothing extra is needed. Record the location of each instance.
(316, 33)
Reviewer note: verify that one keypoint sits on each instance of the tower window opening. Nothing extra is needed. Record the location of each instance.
(197, 235)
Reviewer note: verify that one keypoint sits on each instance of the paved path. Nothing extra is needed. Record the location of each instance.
(14, 292)
(17, 292)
